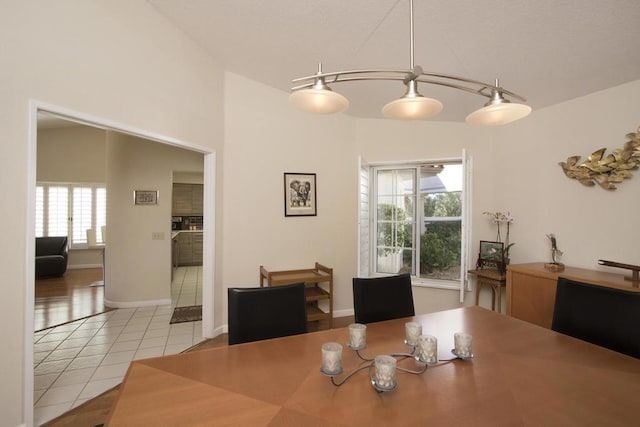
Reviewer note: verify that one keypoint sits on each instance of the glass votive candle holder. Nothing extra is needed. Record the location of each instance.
(357, 336)
(385, 372)
(428, 349)
(463, 344)
(412, 330)
(331, 358)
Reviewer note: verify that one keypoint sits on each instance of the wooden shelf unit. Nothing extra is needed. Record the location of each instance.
(312, 278)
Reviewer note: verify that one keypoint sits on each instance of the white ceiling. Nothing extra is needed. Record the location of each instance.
(549, 51)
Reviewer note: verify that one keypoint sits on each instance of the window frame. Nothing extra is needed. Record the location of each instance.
(461, 285)
(71, 186)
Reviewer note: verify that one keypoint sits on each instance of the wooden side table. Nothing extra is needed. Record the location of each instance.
(495, 280)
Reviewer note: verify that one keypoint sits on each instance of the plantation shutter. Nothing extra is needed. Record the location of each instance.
(81, 214)
(364, 219)
(39, 211)
(466, 221)
(101, 213)
(58, 216)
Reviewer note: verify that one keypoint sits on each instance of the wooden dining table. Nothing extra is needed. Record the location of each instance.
(521, 374)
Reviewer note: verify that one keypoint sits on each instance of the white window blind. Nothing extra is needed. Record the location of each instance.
(39, 211)
(58, 211)
(70, 210)
(101, 213)
(82, 213)
(363, 220)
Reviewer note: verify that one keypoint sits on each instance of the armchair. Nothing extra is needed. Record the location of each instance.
(51, 256)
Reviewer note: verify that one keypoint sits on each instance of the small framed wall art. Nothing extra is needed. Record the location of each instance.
(145, 197)
(300, 197)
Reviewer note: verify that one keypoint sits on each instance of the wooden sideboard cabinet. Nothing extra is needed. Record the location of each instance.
(312, 278)
(531, 289)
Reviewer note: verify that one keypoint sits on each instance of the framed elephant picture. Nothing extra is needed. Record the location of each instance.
(300, 197)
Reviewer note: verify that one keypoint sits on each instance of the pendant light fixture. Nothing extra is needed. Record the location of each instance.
(498, 111)
(313, 94)
(319, 98)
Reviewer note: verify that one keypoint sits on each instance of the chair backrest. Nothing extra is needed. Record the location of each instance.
(55, 245)
(607, 317)
(382, 298)
(269, 312)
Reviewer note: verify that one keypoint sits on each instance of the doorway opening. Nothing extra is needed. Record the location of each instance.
(76, 118)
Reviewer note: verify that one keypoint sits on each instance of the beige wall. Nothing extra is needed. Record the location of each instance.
(188, 177)
(71, 154)
(116, 60)
(138, 267)
(264, 139)
(590, 223)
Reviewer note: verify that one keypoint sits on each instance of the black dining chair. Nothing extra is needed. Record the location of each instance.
(270, 312)
(604, 316)
(382, 298)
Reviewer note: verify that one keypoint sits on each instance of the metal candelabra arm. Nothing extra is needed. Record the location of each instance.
(344, 380)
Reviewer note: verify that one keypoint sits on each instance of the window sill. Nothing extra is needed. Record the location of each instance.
(85, 247)
(440, 284)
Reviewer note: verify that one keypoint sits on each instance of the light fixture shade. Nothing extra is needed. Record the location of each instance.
(412, 108)
(318, 101)
(498, 114)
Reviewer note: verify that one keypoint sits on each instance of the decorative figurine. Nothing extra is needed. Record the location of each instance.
(555, 255)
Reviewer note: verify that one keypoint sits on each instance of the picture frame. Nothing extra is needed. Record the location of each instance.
(145, 197)
(491, 255)
(300, 196)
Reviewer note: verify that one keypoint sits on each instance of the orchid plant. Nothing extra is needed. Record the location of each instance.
(500, 218)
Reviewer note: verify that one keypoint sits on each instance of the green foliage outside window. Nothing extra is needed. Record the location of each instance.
(440, 244)
(392, 235)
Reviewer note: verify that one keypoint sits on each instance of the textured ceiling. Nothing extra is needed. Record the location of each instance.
(549, 51)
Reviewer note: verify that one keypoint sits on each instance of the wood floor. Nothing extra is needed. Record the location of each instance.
(71, 297)
(95, 411)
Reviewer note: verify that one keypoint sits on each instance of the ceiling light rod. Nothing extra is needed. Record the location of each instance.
(411, 50)
(481, 88)
(314, 94)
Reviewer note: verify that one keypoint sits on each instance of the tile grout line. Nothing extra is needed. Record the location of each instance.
(134, 315)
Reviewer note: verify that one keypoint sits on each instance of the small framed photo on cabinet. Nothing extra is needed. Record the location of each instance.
(491, 255)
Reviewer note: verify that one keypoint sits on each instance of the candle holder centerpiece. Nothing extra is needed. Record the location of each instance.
(382, 368)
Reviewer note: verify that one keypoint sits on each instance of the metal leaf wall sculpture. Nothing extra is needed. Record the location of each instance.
(606, 171)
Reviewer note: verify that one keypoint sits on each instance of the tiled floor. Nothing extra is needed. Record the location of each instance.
(186, 288)
(80, 360)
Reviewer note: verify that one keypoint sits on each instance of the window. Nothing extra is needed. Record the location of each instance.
(418, 223)
(70, 210)
(101, 214)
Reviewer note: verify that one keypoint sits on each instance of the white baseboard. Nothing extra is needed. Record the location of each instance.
(135, 304)
(81, 266)
(220, 330)
(343, 313)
